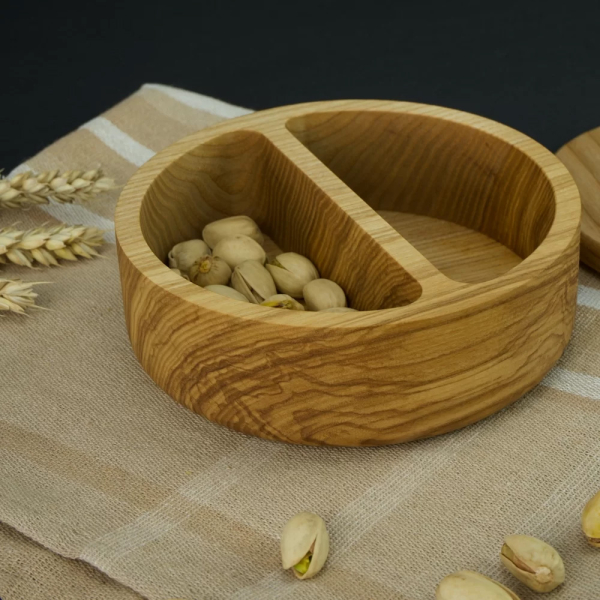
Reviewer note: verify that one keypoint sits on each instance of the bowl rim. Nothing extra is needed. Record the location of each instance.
(558, 240)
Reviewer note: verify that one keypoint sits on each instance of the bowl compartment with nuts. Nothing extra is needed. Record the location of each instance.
(241, 173)
(454, 237)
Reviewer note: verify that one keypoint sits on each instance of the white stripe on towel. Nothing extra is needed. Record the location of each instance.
(123, 144)
(200, 102)
(571, 382)
(587, 296)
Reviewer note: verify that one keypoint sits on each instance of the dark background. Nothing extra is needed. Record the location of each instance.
(531, 65)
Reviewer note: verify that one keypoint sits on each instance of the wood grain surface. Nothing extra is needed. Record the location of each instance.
(582, 157)
(457, 238)
(462, 254)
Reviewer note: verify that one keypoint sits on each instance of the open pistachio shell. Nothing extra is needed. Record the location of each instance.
(282, 301)
(224, 290)
(590, 521)
(214, 232)
(321, 294)
(253, 281)
(238, 249)
(533, 562)
(183, 255)
(210, 270)
(469, 585)
(304, 545)
(291, 272)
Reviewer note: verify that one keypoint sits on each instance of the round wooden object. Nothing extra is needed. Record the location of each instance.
(582, 157)
(456, 237)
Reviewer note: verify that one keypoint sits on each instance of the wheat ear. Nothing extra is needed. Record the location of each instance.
(17, 295)
(70, 186)
(46, 245)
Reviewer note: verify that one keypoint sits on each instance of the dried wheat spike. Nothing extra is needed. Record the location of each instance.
(17, 295)
(46, 245)
(70, 186)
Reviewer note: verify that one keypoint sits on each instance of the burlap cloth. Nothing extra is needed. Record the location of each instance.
(98, 464)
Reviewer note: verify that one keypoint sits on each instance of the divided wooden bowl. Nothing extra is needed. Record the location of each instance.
(457, 238)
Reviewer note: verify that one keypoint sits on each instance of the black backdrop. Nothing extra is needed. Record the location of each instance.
(531, 65)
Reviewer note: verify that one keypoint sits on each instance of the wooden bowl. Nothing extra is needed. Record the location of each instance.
(456, 237)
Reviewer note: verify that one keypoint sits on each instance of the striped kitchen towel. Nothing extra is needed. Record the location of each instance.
(98, 464)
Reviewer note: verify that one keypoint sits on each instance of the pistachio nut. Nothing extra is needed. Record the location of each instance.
(533, 562)
(178, 272)
(590, 521)
(238, 249)
(225, 290)
(183, 255)
(304, 545)
(253, 280)
(214, 232)
(210, 270)
(339, 309)
(282, 301)
(321, 294)
(291, 272)
(469, 585)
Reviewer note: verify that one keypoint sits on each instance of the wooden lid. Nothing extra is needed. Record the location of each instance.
(582, 157)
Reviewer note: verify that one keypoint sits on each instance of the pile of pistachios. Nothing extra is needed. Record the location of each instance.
(305, 545)
(230, 260)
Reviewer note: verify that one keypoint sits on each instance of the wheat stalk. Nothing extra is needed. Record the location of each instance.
(70, 186)
(17, 295)
(46, 245)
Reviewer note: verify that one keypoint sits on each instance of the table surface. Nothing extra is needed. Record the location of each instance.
(527, 64)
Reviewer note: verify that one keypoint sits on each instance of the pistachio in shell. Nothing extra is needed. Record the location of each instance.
(291, 272)
(253, 281)
(321, 294)
(214, 232)
(183, 255)
(590, 521)
(304, 545)
(225, 290)
(238, 249)
(210, 270)
(469, 585)
(282, 301)
(533, 562)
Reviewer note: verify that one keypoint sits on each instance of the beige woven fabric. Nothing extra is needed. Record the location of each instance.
(98, 464)
(30, 572)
